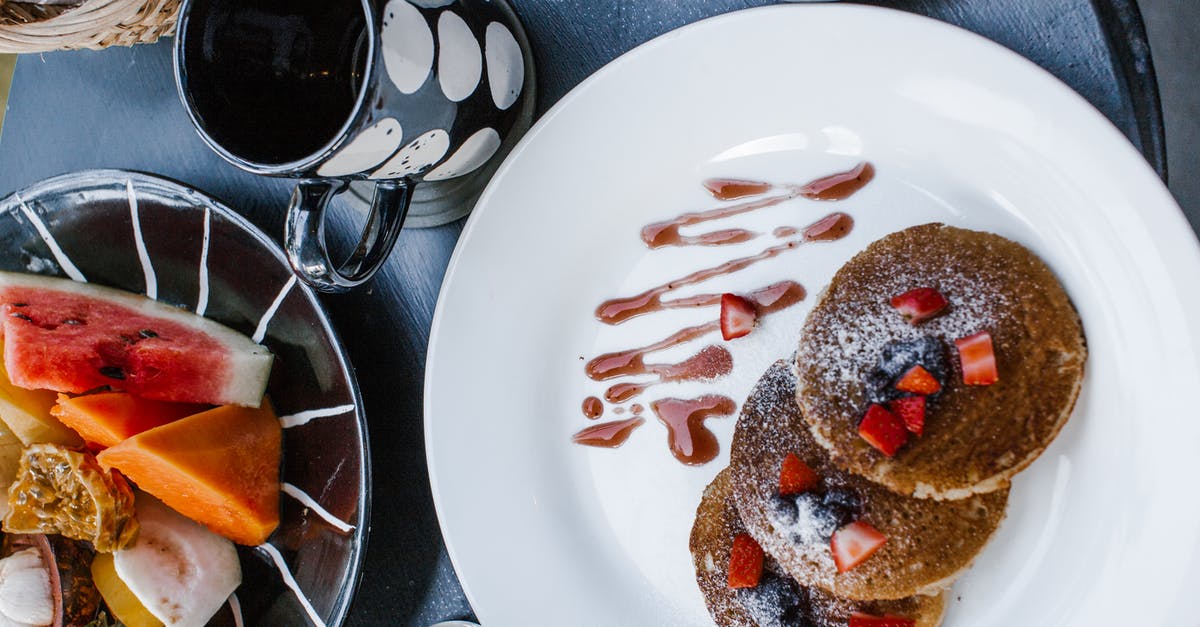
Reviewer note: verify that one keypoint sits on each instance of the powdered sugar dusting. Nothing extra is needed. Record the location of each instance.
(796, 529)
(855, 346)
(803, 520)
(863, 322)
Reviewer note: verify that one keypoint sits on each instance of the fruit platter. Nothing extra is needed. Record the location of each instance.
(181, 442)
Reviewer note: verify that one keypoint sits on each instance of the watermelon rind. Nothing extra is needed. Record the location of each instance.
(248, 364)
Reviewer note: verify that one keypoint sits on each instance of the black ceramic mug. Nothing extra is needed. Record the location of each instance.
(330, 91)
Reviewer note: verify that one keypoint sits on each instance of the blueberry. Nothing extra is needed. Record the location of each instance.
(776, 602)
(897, 358)
(815, 522)
(811, 518)
(844, 504)
(782, 510)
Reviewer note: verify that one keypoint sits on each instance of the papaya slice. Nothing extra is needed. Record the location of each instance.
(219, 467)
(27, 414)
(110, 417)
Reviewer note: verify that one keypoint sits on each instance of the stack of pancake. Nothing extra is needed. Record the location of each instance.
(940, 497)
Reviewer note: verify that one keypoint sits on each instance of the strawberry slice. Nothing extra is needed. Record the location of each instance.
(918, 381)
(737, 316)
(910, 409)
(795, 476)
(861, 619)
(978, 359)
(854, 543)
(745, 562)
(920, 304)
(883, 430)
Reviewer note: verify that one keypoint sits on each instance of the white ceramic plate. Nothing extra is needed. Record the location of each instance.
(1104, 529)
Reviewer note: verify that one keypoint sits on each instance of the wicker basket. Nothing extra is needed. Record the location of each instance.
(89, 24)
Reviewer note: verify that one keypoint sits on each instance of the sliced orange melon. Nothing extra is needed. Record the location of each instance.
(219, 467)
(110, 417)
(27, 414)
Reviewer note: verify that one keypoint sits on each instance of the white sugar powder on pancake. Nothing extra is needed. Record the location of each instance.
(855, 345)
(861, 338)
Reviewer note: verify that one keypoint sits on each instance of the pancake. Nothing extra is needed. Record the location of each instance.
(778, 600)
(929, 543)
(976, 437)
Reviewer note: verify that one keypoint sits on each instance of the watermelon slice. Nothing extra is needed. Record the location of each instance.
(74, 337)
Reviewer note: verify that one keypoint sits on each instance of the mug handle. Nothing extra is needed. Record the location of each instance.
(304, 235)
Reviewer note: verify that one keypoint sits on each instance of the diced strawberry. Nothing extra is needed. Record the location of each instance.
(854, 543)
(795, 476)
(883, 430)
(745, 562)
(861, 619)
(737, 316)
(920, 304)
(918, 381)
(978, 359)
(910, 409)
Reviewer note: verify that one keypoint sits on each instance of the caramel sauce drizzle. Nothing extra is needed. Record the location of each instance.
(837, 186)
(608, 434)
(691, 442)
(593, 408)
(617, 310)
(732, 189)
(666, 233)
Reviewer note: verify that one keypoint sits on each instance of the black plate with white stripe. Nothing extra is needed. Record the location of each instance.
(156, 237)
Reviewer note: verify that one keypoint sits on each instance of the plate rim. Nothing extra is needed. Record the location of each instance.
(1157, 215)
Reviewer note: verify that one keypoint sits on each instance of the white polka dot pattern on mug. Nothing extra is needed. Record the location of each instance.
(407, 46)
(376, 143)
(419, 154)
(440, 40)
(505, 65)
(470, 155)
(460, 61)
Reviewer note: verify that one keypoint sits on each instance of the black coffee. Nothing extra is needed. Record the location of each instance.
(274, 81)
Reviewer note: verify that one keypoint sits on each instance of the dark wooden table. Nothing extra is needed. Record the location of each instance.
(118, 109)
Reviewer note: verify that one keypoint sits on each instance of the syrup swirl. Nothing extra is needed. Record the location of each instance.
(622, 392)
(839, 186)
(711, 362)
(609, 365)
(593, 407)
(608, 434)
(691, 441)
(617, 310)
(666, 233)
(732, 189)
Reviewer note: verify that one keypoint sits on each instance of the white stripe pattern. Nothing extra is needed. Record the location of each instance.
(261, 331)
(290, 582)
(63, 260)
(202, 297)
(140, 243)
(300, 418)
(312, 504)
